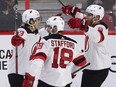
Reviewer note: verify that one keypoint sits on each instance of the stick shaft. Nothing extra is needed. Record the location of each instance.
(61, 3)
(16, 26)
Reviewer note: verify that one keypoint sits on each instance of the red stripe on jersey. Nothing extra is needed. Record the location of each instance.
(86, 41)
(39, 56)
(101, 36)
(80, 61)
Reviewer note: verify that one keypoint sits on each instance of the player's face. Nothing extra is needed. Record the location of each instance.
(89, 18)
(54, 30)
(37, 22)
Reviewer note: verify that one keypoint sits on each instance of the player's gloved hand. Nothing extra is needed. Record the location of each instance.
(78, 23)
(17, 40)
(70, 10)
(29, 80)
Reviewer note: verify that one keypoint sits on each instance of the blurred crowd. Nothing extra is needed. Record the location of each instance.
(8, 14)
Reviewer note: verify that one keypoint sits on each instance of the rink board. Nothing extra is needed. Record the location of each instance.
(6, 48)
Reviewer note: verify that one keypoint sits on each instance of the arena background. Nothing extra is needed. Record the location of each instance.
(47, 8)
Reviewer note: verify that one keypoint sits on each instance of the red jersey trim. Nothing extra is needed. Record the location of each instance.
(101, 36)
(80, 61)
(39, 56)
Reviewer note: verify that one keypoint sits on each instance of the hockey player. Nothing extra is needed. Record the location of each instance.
(24, 40)
(53, 57)
(96, 52)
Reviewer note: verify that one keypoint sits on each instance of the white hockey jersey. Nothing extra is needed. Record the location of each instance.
(24, 51)
(43, 32)
(57, 52)
(96, 51)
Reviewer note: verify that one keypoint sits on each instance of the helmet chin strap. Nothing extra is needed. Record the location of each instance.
(33, 28)
(93, 20)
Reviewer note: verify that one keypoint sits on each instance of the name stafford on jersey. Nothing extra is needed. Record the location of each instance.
(63, 43)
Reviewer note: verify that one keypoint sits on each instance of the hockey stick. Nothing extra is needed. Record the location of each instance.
(14, 78)
(61, 3)
(81, 68)
(16, 24)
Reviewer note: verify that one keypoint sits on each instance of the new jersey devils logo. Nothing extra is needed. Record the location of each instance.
(36, 47)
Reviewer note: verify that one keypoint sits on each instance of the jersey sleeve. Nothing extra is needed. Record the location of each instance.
(35, 68)
(79, 58)
(38, 59)
(96, 34)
